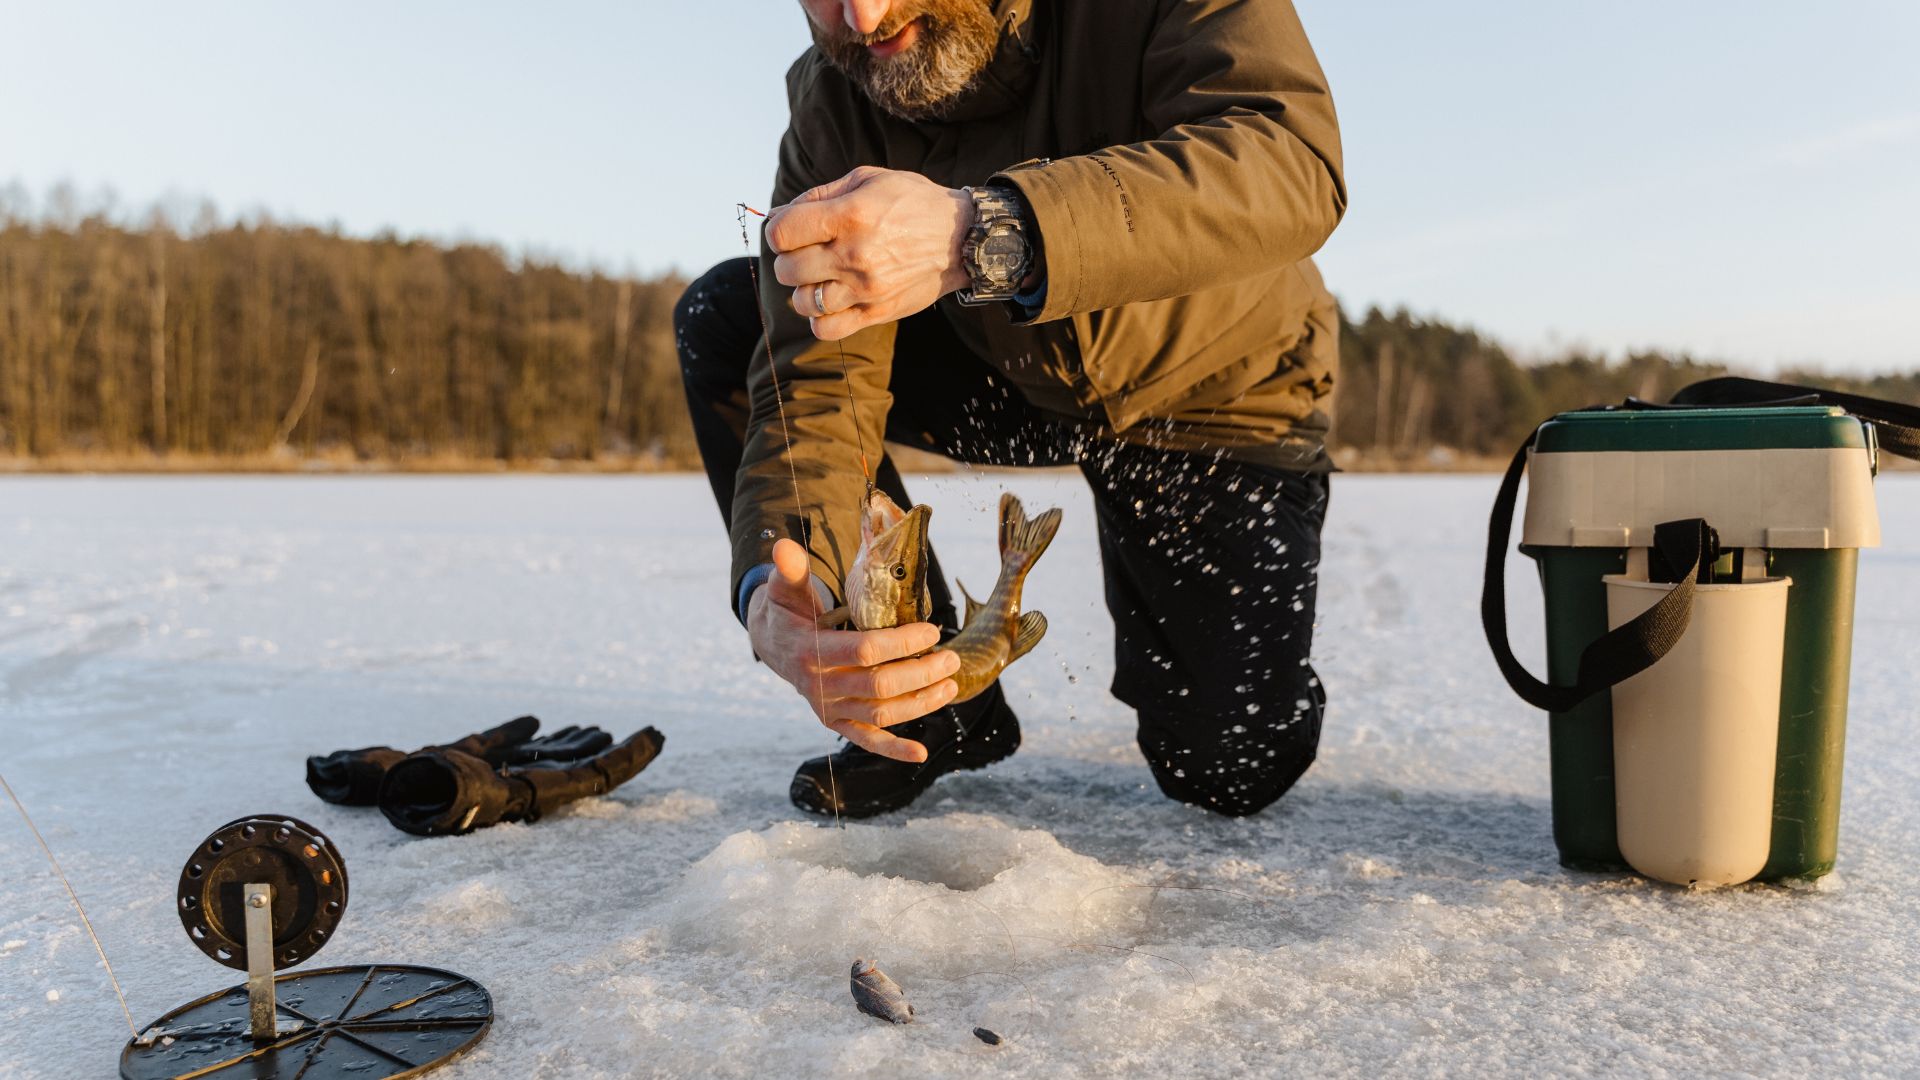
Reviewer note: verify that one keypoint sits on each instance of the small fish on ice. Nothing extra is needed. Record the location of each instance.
(877, 995)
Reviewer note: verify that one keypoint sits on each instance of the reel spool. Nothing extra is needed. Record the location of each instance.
(300, 865)
(267, 892)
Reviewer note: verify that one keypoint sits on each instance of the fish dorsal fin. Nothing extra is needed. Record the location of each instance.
(1023, 536)
(1033, 626)
(974, 607)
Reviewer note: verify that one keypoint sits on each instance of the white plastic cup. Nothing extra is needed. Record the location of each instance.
(1695, 735)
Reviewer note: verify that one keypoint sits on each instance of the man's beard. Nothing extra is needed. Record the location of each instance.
(957, 39)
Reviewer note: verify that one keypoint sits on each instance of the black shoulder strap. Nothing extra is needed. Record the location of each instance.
(1896, 425)
(1616, 656)
(1633, 647)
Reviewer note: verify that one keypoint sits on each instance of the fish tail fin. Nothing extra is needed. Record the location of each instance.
(974, 607)
(1023, 538)
(1033, 626)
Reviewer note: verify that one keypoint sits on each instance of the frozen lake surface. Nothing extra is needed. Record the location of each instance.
(172, 648)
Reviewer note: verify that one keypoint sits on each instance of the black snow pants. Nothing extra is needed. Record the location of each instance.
(1211, 564)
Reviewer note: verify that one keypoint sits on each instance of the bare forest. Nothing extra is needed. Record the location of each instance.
(262, 345)
(262, 341)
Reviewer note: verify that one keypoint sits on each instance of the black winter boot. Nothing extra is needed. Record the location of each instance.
(970, 735)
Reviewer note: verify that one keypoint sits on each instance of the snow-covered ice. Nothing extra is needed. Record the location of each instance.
(172, 648)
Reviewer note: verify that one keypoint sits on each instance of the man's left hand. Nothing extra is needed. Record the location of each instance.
(872, 247)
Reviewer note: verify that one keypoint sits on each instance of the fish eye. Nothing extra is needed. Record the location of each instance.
(899, 571)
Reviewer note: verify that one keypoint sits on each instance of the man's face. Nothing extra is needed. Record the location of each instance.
(912, 57)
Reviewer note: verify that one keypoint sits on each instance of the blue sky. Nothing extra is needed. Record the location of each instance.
(1741, 180)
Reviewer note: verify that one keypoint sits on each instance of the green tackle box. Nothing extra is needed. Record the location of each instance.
(1789, 490)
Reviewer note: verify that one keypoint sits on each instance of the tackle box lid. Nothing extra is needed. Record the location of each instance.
(1785, 476)
(1777, 427)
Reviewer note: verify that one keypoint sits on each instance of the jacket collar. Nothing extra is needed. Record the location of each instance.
(1010, 74)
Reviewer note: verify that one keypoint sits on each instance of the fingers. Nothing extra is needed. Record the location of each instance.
(814, 216)
(879, 741)
(791, 585)
(890, 680)
(833, 189)
(821, 298)
(803, 266)
(845, 324)
(899, 710)
(802, 224)
(871, 648)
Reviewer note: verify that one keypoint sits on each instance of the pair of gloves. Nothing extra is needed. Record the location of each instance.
(502, 774)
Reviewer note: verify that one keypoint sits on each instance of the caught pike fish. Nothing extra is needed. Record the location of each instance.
(887, 586)
(877, 995)
(997, 633)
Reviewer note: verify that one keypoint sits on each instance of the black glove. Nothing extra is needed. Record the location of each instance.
(567, 744)
(352, 777)
(443, 791)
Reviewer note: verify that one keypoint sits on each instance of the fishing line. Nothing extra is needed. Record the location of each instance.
(1074, 940)
(1013, 952)
(860, 438)
(1146, 922)
(786, 435)
(75, 897)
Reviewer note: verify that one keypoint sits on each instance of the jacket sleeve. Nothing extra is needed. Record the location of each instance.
(800, 470)
(1243, 179)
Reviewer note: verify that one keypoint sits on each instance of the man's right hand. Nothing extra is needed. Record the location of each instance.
(859, 682)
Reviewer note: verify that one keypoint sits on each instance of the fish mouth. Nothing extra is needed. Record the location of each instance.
(878, 513)
(895, 534)
(914, 527)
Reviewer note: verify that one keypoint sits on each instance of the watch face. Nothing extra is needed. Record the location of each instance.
(1002, 255)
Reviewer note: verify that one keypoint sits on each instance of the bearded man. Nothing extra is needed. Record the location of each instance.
(1040, 232)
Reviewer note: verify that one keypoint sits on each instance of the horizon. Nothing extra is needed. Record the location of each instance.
(1509, 172)
(104, 205)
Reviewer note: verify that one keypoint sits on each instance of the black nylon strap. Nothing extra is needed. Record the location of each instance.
(1896, 425)
(1617, 655)
(1629, 649)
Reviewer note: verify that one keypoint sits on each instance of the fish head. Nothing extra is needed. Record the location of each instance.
(887, 585)
(861, 967)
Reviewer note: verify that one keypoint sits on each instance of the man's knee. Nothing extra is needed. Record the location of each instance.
(1234, 763)
(715, 324)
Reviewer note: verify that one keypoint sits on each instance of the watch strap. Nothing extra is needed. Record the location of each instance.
(999, 220)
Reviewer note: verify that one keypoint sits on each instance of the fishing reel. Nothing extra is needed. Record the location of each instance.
(264, 893)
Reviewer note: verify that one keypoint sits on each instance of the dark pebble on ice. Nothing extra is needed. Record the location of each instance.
(988, 1036)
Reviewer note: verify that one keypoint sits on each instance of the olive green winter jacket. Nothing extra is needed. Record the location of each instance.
(1182, 161)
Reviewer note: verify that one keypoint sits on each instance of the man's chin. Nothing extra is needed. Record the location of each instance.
(924, 68)
(907, 38)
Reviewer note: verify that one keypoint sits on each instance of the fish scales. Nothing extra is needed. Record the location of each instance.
(997, 633)
(887, 585)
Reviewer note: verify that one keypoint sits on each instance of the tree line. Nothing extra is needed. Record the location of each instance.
(1411, 389)
(252, 341)
(262, 339)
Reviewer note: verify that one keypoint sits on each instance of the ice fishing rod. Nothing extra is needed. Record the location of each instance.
(793, 474)
(846, 379)
(77, 906)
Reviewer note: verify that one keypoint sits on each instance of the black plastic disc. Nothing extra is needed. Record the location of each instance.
(367, 1022)
(309, 882)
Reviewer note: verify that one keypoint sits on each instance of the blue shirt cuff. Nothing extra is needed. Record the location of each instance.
(1032, 302)
(759, 576)
(752, 580)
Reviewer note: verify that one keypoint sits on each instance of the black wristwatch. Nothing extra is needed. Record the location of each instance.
(997, 251)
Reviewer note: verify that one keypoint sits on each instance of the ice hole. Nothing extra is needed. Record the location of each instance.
(949, 894)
